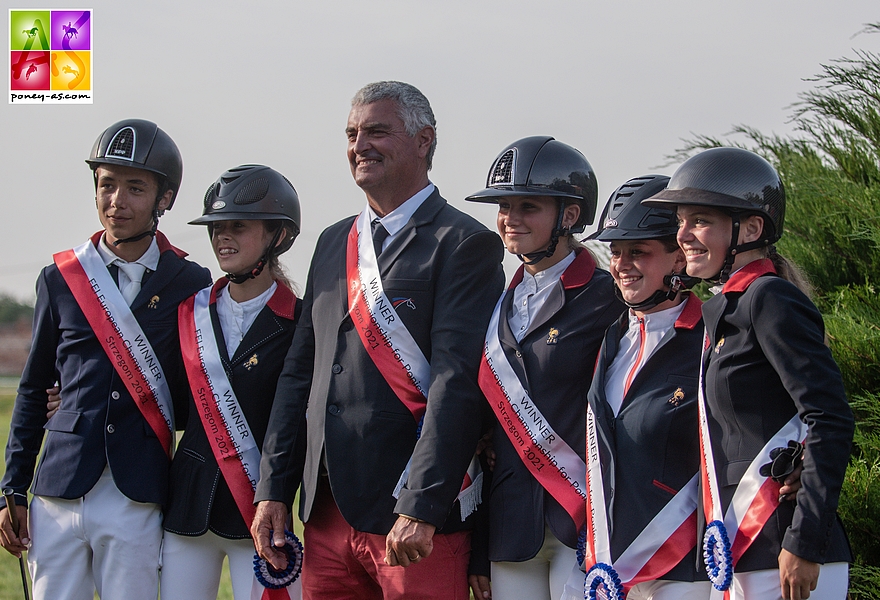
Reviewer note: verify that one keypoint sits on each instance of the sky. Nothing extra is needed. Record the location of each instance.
(271, 82)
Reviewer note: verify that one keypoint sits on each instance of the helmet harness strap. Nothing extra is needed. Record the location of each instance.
(261, 264)
(151, 232)
(676, 282)
(532, 258)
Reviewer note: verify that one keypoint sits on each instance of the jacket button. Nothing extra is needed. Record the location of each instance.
(347, 325)
(115, 395)
(333, 409)
(337, 369)
(518, 354)
(111, 428)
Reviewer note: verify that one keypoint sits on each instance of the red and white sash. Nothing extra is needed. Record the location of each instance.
(120, 335)
(550, 460)
(391, 346)
(226, 427)
(756, 497)
(661, 545)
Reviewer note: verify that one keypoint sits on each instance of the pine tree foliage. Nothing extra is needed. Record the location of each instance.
(831, 171)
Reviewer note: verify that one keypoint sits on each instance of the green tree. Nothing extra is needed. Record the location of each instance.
(831, 171)
(13, 311)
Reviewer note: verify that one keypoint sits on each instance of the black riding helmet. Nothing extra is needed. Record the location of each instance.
(254, 193)
(737, 182)
(142, 145)
(543, 166)
(626, 218)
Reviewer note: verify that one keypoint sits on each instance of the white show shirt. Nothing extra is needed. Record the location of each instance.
(636, 347)
(236, 318)
(531, 293)
(394, 221)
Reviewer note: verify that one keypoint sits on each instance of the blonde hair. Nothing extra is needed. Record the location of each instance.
(789, 271)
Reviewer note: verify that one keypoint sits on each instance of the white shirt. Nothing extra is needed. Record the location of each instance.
(236, 318)
(531, 293)
(397, 219)
(636, 347)
(149, 260)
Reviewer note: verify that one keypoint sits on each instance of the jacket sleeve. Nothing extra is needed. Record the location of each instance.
(468, 286)
(284, 447)
(791, 333)
(29, 411)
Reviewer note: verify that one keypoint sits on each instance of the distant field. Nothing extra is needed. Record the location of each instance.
(10, 577)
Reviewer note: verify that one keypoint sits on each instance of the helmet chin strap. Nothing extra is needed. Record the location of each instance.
(734, 249)
(676, 282)
(261, 264)
(532, 258)
(150, 233)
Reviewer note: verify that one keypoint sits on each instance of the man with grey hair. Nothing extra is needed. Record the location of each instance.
(384, 362)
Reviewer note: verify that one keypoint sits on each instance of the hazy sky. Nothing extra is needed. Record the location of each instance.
(271, 82)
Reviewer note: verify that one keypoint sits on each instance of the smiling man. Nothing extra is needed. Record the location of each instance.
(105, 329)
(385, 357)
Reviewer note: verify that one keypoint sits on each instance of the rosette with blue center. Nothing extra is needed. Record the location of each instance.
(602, 583)
(717, 556)
(271, 578)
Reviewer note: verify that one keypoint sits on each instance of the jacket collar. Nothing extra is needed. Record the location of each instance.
(161, 241)
(742, 279)
(578, 273)
(692, 314)
(282, 302)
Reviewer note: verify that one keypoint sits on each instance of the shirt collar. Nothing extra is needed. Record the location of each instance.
(149, 259)
(394, 221)
(661, 320)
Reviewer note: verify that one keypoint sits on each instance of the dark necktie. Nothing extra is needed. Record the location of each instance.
(379, 235)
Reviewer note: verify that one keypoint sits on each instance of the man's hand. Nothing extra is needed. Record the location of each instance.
(15, 542)
(54, 394)
(480, 586)
(797, 576)
(487, 449)
(408, 542)
(271, 516)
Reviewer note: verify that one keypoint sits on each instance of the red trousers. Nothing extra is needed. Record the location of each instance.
(341, 563)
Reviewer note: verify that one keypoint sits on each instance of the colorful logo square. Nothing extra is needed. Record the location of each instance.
(50, 56)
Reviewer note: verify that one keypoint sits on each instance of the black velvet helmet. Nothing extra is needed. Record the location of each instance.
(543, 166)
(140, 144)
(253, 192)
(626, 218)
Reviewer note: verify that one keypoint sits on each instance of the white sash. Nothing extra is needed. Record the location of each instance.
(553, 463)
(391, 346)
(755, 499)
(120, 335)
(229, 434)
(659, 547)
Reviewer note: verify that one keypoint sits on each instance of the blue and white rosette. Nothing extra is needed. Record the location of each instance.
(717, 556)
(602, 578)
(271, 578)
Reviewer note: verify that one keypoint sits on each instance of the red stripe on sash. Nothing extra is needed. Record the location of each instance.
(549, 478)
(110, 341)
(763, 505)
(215, 428)
(374, 341)
(669, 554)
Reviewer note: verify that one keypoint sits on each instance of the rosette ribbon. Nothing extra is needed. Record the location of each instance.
(273, 579)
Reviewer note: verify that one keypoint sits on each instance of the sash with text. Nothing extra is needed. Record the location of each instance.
(226, 427)
(391, 346)
(729, 533)
(120, 335)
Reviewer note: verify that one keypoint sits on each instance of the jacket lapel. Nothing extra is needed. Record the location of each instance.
(424, 215)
